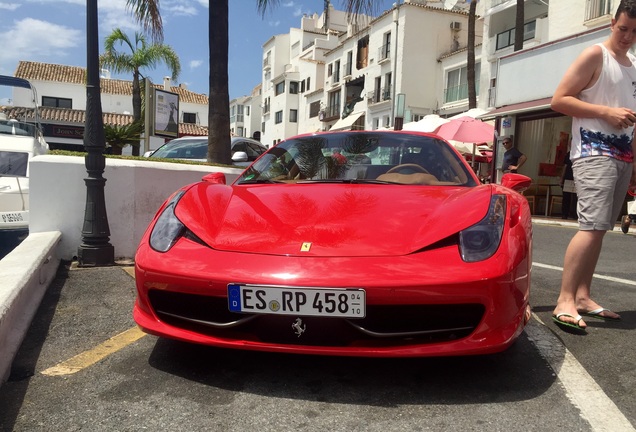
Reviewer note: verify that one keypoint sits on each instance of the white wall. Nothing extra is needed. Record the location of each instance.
(134, 191)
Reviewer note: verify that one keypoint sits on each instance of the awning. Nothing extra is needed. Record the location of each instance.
(347, 122)
(535, 105)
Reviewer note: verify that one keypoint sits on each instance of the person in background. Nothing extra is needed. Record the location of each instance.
(512, 158)
(568, 204)
(598, 91)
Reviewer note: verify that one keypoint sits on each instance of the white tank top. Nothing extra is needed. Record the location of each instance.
(615, 87)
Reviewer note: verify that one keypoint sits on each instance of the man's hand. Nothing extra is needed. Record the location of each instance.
(620, 117)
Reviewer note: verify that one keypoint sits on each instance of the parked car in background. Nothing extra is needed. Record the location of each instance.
(244, 150)
(359, 243)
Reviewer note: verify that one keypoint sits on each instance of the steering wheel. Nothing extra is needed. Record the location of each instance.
(408, 168)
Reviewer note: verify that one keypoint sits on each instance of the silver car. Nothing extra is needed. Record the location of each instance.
(195, 148)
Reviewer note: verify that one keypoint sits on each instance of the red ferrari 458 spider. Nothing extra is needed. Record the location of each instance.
(344, 243)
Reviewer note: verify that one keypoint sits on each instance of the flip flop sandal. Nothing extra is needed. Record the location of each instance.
(596, 313)
(568, 325)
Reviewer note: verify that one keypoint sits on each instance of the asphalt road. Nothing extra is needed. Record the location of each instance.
(84, 366)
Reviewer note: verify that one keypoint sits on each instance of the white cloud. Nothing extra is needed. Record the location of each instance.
(31, 38)
(179, 7)
(273, 23)
(9, 6)
(195, 64)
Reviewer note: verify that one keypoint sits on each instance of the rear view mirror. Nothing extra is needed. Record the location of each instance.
(239, 156)
(516, 182)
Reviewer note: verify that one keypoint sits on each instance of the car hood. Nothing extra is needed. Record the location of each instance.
(329, 220)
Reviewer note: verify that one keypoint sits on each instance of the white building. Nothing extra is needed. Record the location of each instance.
(62, 99)
(246, 113)
(330, 74)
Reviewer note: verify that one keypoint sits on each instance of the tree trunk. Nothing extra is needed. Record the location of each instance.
(519, 24)
(219, 142)
(136, 94)
(470, 66)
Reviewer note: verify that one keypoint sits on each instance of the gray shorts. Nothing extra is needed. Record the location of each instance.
(601, 186)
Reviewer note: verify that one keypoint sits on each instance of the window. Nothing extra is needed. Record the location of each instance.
(457, 83)
(307, 84)
(388, 83)
(349, 64)
(507, 38)
(302, 86)
(266, 106)
(596, 8)
(293, 116)
(190, 118)
(336, 71)
(279, 117)
(333, 110)
(280, 88)
(314, 109)
(293, 87)
(385, 50)
(362, 55)
(329, 69)
(56, 102)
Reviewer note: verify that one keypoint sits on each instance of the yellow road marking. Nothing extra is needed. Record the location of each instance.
(88, 358)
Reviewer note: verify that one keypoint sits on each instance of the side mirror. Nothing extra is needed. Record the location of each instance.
(517, 182)
(214, 178)
(239, 156)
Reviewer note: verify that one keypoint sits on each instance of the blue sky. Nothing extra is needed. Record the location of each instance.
(53, 31)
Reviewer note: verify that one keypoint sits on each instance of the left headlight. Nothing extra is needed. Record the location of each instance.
(168, 228)
(480, 241)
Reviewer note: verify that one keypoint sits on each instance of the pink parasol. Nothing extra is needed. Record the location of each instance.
(467, 129)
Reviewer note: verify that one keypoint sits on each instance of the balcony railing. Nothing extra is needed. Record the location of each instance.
(460, 92)
(507, 38)
(378, 96)
(384, 51)
(332, 112)
(347, 69)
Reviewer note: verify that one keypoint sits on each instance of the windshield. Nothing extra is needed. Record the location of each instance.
(14, 127)
(13, 163)
(389, 157)
(183, 149)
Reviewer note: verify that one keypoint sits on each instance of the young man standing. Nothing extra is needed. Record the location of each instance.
(599, 92)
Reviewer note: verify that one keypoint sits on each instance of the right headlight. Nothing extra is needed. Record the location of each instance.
(168, 228)
(482, 240)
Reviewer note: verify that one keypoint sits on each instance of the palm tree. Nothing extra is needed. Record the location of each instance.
(519, 24)
(117, 137)
(219, 143)
(470, 61)
(141, 55)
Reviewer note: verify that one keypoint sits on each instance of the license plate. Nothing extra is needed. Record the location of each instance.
(12, 217)
(335, 302)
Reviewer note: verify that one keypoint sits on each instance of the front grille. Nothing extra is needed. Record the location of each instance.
(384, 325)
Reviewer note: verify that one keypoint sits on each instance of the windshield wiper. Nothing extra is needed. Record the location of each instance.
(260, 181)
(347, 181)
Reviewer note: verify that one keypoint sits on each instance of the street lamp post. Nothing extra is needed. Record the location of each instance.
(95, 249)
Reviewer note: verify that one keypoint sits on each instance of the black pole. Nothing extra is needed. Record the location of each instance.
(95, 249)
